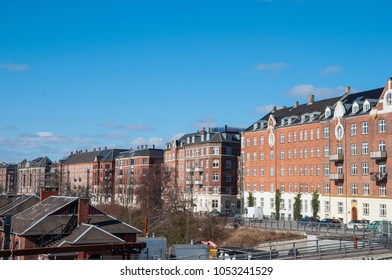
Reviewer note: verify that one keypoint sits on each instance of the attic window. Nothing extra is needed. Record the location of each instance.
(327, 112)
(355, 108)
(366, 106)
(389, 98)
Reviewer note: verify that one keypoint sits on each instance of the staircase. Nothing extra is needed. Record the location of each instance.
(66, 229)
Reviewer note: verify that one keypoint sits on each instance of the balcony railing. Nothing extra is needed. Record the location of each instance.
(378, 176)
(378, 155)
(336, 176)
(336, 157)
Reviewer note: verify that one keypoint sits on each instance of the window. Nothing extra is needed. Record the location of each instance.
(353, 149)
(261, 187)
(228, 164)
(229, 151)
(214, 203)
(300, 153)
(382, 146)
(282, 171)
(289, 154)
(389, 98)
(382, 190)
(247, 142)
(305, 135)
(318, 170)
(305, 152)
(326, 132)
(383, 210)
(340, 188)
(295, 153)
(312, 170)
(261, 155)
(353, 129)
(326, 151)
(272, 187)
(365, 207)
(311, 136)
(254, 156)
(327, 189)
(216, 150)
(354, 189)
(261, 140)
(215, 177)
(247, 172)
(247, 156)
(340, 207)
(289, 171)
(381, 126)
(311, 152)
(300, 136)
(354, 169)
(228, 177)
(272, 203)
(339, 149)
(282, 154)
(327, 207)
(271, 155)
(261, 201)
(295, 136)
(254, 171)
(365, 189)
(318, 151)
(255, 141)
(318, 133)
(365, 128)
(261, 171)
(215, 163)
(295, 170)
(365, 168)
(272, 171)
(326, 169)
(289, 137)
(282, 138)
(365, 148)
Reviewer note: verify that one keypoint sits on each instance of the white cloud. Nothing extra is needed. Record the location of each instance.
(14, 67)
(330, 70)
(271, 67)
(262, 110)
(208, 121)
(303, 90)
(157, 141)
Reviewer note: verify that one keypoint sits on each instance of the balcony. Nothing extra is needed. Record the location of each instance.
(378, 176)
(378, 155)
(336, 176)
(199, 169)
(336, 157)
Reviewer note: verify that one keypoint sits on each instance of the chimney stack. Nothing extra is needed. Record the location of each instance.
(83, 206)
(310, 99)
(273, 109)
(348, 90)
(296, 104)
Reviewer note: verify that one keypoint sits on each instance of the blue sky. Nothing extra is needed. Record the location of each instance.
(87, 74)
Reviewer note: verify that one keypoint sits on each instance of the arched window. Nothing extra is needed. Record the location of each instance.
(389, 98)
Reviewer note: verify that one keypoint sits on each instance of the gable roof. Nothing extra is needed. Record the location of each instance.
(16, 204)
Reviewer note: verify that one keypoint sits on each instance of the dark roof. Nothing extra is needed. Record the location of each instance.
(44, 217)
(86, 157)
(29, 221)
(16, 204)
(38, 162)
(89, 234)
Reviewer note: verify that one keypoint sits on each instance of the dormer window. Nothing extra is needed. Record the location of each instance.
(355, 108)
(327, 112)
(389, 98)
(366, 106)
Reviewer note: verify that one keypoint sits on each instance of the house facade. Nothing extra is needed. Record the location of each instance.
(336, 147)
(204, 167)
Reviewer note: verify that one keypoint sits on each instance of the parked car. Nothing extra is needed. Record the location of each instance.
(381, 227)
(329, 222)
(214, 213)
(308, 221)
(357, 224)
(226, 213)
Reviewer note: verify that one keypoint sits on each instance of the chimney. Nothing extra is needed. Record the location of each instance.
(153, 147)
(348, 90)
(310, 99)
(99, 149)
(296, 104)
(225, 127)
(106, 148)
(284, 107)
(86, 150)
(83, 206)
(95, 149)
(43, 194)
(273, 109)
(71, 152)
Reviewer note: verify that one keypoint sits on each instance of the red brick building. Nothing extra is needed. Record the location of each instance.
(336, 147)
(130, 167)
(204, 167)
(33, 175)
(8, 176)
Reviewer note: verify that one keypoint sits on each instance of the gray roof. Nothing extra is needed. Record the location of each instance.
(15, 204)
(38, 162)
(47, 215)
(87, 157)
(89, 234)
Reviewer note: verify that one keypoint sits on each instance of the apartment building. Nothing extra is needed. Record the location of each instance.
(33, 175)
(336, 147)
(90, 174)
(204, 167)
(131, 166)
(8, 177)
